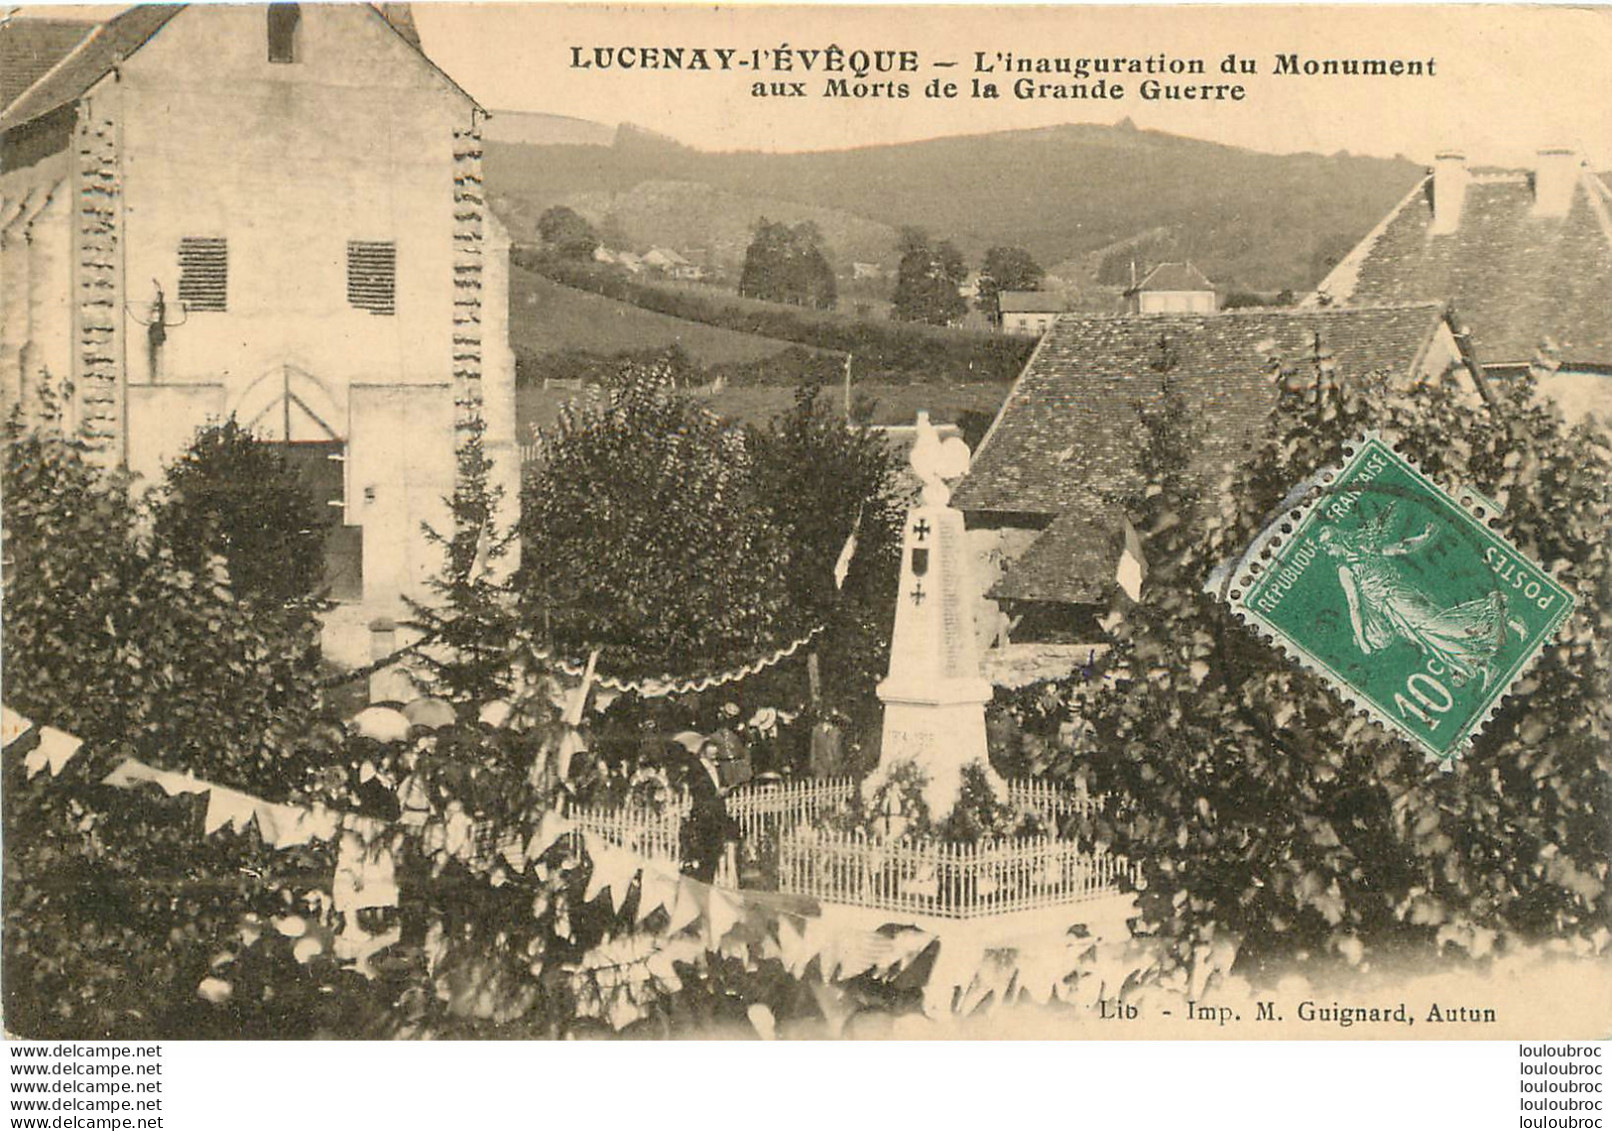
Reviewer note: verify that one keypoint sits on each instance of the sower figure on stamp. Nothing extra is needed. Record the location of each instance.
(1385, 607)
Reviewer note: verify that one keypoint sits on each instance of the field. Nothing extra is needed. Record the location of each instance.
(895, 404)
(545, 317)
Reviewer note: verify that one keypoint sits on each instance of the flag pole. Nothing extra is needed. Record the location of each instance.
(848, 389)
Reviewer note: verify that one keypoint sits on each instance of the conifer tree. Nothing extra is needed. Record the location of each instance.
(472, 622)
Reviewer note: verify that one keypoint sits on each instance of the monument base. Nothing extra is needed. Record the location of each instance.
(939, 734)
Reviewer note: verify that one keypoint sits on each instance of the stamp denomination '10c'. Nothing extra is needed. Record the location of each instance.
(1407, 603)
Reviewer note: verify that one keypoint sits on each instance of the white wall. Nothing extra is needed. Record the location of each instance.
(288, 162)
(1184, 302)
(1177, 302)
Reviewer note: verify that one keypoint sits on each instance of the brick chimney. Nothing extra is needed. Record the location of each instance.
(1555, 179)
(1449, 190)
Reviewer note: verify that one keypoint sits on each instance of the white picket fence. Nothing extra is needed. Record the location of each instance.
(1053, 802)
(957, 881)
(767, 808)
(647, 832)
(931, 878)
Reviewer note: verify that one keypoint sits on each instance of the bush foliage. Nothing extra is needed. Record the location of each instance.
(643, 535)
(233, 495)
(1271, 816)
(122, 638)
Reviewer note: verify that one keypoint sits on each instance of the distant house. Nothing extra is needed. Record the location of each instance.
(271, 212)
(866, 271)
(1029, 312)
(1174, 288)
(632, 262)
(664, 260)
(1525, 257)
(1046, 496)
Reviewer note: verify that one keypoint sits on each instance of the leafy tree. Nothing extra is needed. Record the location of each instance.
(1006, 269)
(234, 495)
(1273, 817)
(787, 264)
(109, 635)
(822, 482)
(473, 620)
(642, 535)
(927, 280)
(566, 233)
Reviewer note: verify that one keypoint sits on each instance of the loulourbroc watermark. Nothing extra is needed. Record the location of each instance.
(1401, 597)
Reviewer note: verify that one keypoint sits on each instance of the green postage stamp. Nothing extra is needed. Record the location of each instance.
(1406, 602)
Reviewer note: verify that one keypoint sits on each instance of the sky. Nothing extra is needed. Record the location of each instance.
(1507, 80)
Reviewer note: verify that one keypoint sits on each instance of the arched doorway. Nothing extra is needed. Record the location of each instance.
(292, 409)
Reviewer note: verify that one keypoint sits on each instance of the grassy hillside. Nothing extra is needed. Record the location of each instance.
(545, 317)
(1251, 220)
(692, 215)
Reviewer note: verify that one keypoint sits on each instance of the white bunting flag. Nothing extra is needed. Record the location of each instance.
(54, 749)
(842, 567)
(277, 824)
(550, 829)
(226, 807)
(366, 876)
(613, 869)
(723, 914)
(792, 946)
(685, 908)
(12, 727)
(1132, 565)
(658, 888)
(317, 823)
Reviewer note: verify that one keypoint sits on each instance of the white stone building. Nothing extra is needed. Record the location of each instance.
(294, 193)
(1029, 312)
(1174, 288)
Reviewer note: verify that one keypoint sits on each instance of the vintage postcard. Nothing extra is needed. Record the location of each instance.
(554, 521)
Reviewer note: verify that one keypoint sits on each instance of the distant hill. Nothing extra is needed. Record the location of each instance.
(1251, 220)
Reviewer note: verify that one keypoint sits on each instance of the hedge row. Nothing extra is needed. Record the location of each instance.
(887, 351)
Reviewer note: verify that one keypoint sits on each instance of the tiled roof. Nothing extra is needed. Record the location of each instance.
(1515, 278)
(1069, 429)
(1030, 302)
(1175, 277)
(29, 48)
(1068, 441)
(1073, 562)
(104, 48)
(124, 34)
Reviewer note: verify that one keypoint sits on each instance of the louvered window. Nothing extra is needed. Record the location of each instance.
(283, 21)
(372, 275)
(203, 273)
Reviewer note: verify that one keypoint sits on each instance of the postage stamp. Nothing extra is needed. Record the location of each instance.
(1401, 597)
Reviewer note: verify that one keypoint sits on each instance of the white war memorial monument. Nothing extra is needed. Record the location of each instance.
(934, 697)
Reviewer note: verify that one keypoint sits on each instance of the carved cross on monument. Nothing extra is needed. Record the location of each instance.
(918, 595)
(920, 530)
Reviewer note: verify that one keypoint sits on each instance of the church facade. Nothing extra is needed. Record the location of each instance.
(273, 213)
